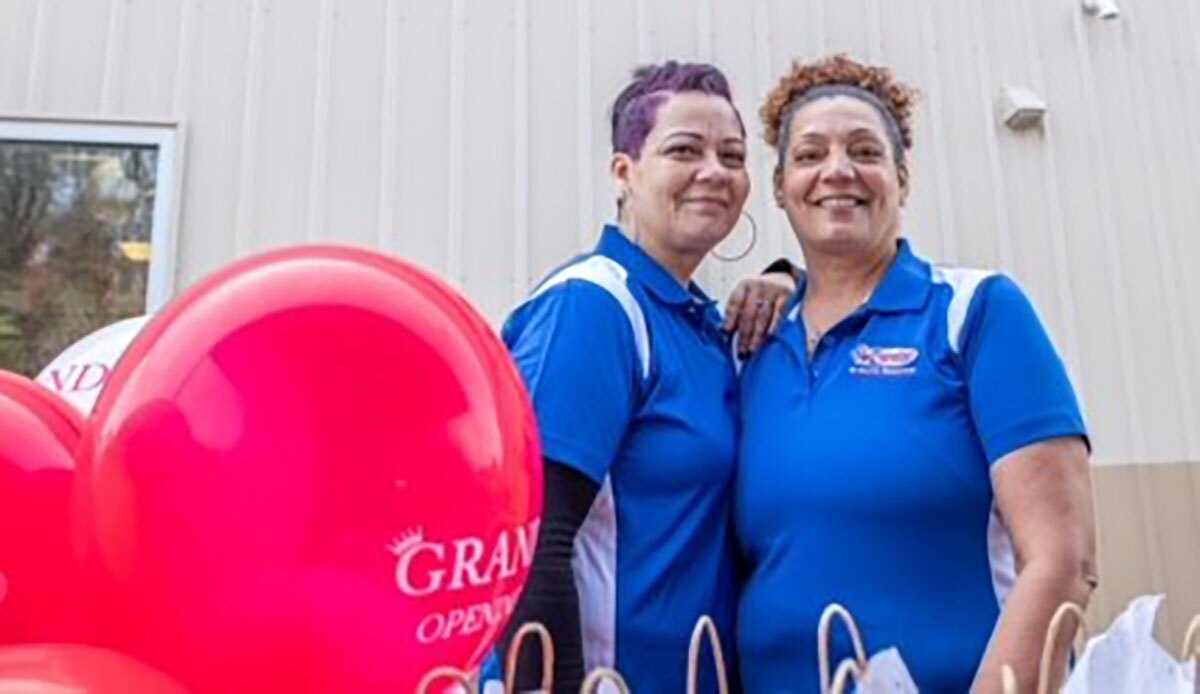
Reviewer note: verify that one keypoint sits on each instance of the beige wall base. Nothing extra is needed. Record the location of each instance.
(1149, 543)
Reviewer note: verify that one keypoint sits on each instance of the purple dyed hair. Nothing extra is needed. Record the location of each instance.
(636, 108)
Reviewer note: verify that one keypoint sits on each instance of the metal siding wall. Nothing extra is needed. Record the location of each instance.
(553, 194)
(470, 136)
(353, 107)
(423, 103)
(17, 23)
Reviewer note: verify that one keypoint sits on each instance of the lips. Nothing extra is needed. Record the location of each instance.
(840, 202)
(707, 202)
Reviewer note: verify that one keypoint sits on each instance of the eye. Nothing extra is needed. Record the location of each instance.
(868, 151)
(734, 159)
(683, 150)
(807, 156)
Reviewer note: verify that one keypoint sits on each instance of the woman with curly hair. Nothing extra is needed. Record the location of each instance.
(911, 445)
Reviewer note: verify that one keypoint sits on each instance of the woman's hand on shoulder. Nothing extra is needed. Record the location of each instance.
(755, 308)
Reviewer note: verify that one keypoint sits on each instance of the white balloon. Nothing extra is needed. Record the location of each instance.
(81, 371)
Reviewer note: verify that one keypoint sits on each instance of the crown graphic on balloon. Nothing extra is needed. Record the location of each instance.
(407, 540)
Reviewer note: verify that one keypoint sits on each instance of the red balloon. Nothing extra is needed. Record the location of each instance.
(39, 579)
(70, 669)
(317, 470)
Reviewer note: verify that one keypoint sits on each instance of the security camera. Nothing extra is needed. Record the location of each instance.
(1102, 9)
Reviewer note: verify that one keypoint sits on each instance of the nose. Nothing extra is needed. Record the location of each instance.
(713, 169)
(838, 166)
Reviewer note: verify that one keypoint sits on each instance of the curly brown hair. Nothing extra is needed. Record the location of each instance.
(839, 69)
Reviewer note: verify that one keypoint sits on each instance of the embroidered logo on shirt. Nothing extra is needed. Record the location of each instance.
(883, 361)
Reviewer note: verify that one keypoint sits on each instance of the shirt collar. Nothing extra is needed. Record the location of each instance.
(647, 271)
(904, 287)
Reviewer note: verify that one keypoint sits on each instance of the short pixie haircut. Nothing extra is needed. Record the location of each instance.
(836, 75)
(636, 108)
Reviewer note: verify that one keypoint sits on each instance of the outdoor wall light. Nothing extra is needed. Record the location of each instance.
(1102, 9)
(1020, 108)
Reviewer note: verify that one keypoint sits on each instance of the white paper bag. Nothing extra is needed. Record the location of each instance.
(886, 673)
(1127, 660)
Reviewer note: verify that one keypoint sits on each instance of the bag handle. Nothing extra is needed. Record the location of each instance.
(1065, 609)
(848, 669)
(1191, 640)
(705, 626)
(447, 673)
(860, 653)
(591, 684)
(514, 654)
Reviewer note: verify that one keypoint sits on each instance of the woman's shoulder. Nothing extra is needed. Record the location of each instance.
(593, 270)
(989, 306)
(590, 296)
(972, 298)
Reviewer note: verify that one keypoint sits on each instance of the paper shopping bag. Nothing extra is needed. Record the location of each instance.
(1127, 660)
(706, 627)
(884, 673)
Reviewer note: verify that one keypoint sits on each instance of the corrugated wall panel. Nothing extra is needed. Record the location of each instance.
(423, 110)
(470, 136)
(456, 133)
(354, 111)
(211, 92)
(553, 149)
(1147, 363)
(247, 191)
(943, 224)
(520, 281)
(68, 62)
(1075, 132)
(144, 47)
(284, 116)
(596, 67)
(1030, 165)
(18, 20)
(488, 209)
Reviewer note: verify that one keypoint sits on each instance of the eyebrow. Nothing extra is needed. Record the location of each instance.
(697, 136)
(857, 132)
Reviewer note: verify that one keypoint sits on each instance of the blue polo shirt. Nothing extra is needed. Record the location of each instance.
(634, 385)
(864, 476)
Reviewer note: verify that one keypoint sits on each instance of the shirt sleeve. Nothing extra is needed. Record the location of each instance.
(550, 596)
(1019, 390)
(576, 351)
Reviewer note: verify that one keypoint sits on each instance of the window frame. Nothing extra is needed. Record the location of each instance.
(160, 279)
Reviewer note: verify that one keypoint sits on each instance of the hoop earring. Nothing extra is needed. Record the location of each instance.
(750, 247)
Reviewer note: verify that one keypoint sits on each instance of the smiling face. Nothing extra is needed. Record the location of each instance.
(838, 181)
(685, 190)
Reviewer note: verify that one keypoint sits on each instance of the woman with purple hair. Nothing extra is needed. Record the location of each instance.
(633, 380)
